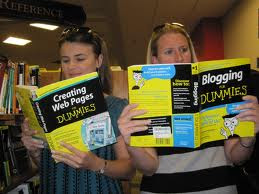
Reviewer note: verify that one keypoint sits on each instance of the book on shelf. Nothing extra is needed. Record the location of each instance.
(12, 74)
(34, 184)
(190, 104)
(14, 160)
(18, 155)
(5, 171)
(34, 75)
(3, 66)
(73, 111)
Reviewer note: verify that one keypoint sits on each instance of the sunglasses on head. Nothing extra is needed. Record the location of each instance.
(72, 30)
(160, 27)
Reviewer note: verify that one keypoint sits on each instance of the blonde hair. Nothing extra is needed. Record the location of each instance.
(164, 29)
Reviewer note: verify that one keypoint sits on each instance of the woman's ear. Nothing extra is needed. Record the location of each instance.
(99, 61)
(154, 60)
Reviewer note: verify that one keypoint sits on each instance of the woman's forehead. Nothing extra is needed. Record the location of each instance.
(172, 38)
(75, 46)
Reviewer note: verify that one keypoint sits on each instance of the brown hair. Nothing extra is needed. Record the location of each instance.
(87, 36)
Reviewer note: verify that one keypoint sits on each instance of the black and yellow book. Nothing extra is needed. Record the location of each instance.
(73, 111)
(190, 104)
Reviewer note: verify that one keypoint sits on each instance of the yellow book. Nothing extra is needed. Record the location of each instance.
(73, 111)
(24, 97)
(190, 104)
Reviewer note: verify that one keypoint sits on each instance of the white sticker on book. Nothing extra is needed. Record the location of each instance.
(162, 132)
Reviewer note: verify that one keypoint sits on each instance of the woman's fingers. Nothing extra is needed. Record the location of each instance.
(138, 129)
(127, 109)
(250, 98)
(136, 123)
(127, 117)
(31, 143)
(249, 111)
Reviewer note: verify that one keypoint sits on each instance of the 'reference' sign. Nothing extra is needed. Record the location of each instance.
(49, 11)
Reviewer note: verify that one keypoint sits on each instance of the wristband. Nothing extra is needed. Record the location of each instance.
(102, 170)
(247, 146)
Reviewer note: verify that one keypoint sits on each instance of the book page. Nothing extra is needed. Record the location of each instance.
(24, 96)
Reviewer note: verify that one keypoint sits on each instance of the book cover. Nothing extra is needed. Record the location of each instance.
(73, 111)
(189, 104)
(24, 97)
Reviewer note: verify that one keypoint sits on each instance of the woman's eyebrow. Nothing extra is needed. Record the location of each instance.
(80, 54)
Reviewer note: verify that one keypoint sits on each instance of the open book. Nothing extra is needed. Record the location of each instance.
(190, 104)
(73, 111)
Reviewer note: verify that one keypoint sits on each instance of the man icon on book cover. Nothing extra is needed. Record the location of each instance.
(137, 76)
(230, 122)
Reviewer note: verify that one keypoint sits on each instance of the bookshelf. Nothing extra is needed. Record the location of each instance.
(11, 119)
(120, 83)
(13, 123)
(17, 180)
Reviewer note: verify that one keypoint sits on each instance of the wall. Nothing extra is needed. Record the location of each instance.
(120, 84)
(240, 31)
(208, 39)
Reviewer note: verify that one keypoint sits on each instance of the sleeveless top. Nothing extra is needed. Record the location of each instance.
(59, 178)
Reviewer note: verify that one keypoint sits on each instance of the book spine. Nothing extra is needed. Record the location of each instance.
(3, 91)
(14, 106)
(195, 88)
(195, 93)
(34, 75)
(7, 172)
(8, 88)
(3, 64)
(26, 74)
(21, 73)
(38, 113)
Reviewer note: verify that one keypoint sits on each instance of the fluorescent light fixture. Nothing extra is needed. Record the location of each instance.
(16, 41)
(44, 26)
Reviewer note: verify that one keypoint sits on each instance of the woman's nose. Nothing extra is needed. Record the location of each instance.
(178, 57)
(71, 64)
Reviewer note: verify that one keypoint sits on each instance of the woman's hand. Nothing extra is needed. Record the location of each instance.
(127, 126)
(239, 150)
(251, 111)
(31, 144)
(78, 159)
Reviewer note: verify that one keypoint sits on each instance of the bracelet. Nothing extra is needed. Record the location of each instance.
(102, 170)
(247, 146)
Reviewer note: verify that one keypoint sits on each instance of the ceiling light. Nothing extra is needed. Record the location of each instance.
(16, 41)
(44, 26)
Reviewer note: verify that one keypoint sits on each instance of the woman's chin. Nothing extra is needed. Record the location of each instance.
(74, 75)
